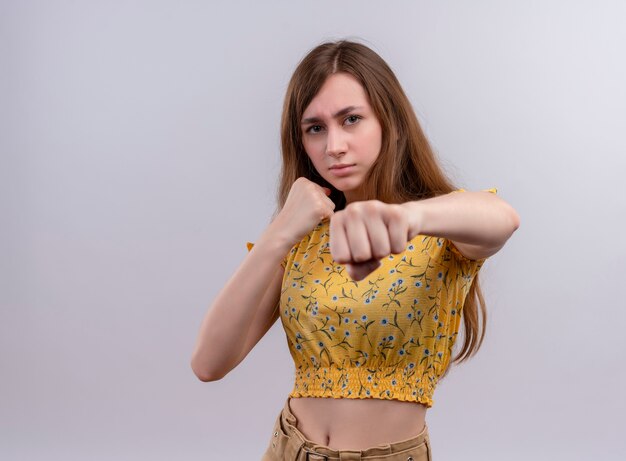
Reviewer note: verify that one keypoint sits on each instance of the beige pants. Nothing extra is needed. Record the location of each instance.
(287, 443)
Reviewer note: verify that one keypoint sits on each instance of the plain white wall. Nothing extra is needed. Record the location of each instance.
(140, 151)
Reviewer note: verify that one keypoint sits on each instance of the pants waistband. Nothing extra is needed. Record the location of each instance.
(301, 449)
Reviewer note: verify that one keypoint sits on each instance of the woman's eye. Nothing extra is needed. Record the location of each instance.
(352, 119)
(314, 129)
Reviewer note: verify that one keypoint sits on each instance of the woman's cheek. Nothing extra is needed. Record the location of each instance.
(314, 148)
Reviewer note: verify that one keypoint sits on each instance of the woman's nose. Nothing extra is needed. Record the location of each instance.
(335, 142)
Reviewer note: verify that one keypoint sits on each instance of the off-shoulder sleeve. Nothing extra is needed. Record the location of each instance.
(283, 263)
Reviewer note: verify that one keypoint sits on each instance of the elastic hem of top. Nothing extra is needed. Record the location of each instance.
(394, 383)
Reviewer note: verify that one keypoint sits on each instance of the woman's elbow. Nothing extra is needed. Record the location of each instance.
(510, 223)
(514, 218)
(204, 375)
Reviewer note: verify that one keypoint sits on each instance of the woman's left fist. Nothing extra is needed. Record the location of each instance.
(365, 232)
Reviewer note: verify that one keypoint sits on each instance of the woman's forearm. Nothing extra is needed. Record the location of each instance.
(227, 322)
(477, 218)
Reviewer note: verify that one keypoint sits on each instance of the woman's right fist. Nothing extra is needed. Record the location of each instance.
(307, 204)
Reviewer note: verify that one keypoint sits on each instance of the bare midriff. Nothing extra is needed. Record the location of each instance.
(357, 424)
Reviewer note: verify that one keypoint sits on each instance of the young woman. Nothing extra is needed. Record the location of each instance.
(370, 261)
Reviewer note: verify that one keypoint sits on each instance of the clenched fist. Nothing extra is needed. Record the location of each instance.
(365, 232)
(307, 204)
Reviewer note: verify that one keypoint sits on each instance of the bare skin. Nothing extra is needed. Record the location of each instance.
(357, 424)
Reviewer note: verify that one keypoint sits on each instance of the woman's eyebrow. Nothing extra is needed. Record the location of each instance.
(342, 112)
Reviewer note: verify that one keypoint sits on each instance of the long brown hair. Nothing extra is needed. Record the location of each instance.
(406, 168)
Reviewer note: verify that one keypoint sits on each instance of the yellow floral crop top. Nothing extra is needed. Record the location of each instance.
(388, 336)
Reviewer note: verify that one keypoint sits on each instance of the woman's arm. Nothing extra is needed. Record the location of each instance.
(477, 223)
(251, 294)
(244, 310)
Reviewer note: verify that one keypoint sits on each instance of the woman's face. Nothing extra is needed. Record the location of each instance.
(339, 128)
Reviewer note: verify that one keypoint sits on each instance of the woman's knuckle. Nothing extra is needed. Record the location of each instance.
(381, 252)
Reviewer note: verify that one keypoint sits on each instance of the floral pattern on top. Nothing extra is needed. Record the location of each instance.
(388, 336)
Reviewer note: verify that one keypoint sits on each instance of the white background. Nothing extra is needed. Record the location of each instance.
(139, 147)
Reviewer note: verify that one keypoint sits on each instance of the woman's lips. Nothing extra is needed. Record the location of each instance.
(342, 171)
